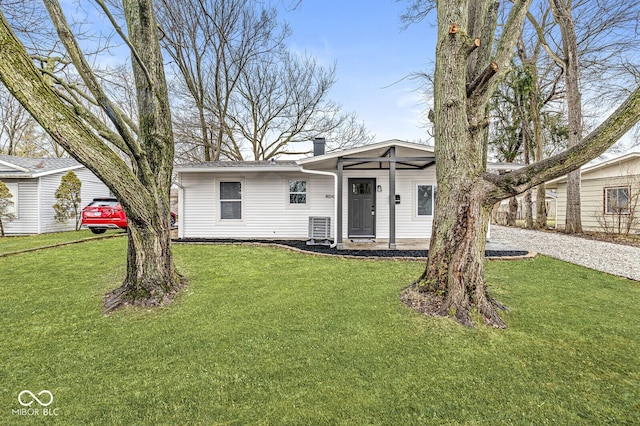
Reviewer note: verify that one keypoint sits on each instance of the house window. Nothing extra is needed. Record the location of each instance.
(297, 192)
(616, 200)
(230, 200)
(425, 199)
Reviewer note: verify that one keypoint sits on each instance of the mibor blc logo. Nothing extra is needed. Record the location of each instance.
(27, 400)
(43, 399)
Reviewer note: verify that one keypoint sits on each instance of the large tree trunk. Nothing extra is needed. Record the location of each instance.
(528, 210)
(151, 276)
(455, 268)
(454, 271)
(142, 182)
(562, 14)
(541, 207)
(512, 213)
(573, 219)
(465, 78)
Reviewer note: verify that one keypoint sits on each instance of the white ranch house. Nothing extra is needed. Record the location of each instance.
(33, 183)
(380, 192)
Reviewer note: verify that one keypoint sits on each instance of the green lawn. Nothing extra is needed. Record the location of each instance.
(268, 336)
(19, 243)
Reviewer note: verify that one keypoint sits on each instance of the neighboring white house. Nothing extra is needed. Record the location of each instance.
(384, 192)
(33, 183)
(608, 194)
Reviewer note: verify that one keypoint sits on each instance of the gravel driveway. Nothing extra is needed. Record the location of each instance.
(616, 259)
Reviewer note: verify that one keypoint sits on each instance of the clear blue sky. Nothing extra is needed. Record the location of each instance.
(372, 52)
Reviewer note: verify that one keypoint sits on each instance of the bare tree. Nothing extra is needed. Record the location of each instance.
(468, 69)
(133, 158)
(250, 95)
(562, 13)
(15, 123)
(283, 102)
(211, 42)
(595, 43)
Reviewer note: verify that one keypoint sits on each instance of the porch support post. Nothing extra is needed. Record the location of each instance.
(392, 198)
(338, 201)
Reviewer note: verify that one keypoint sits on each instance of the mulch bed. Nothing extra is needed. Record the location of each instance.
(302, 246)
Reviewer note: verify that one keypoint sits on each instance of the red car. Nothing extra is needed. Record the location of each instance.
(106, 213)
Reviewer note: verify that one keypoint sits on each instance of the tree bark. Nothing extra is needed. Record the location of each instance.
(526, 145)
(541, 207)
(562, 14)
(512, 213)
(466, 192)
(455, 267)
(528, 210)
(151, 278)
(143, 187)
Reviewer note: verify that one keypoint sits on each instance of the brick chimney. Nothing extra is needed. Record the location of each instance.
(319, 146)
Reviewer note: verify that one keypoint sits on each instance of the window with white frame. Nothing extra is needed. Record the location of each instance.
(231, 200)
(425, 198)
(616, 200)
(297, 191)
(12, 208)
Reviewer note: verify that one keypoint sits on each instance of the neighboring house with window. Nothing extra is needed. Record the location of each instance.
(609, 195)
(380, 192)
(33, 183)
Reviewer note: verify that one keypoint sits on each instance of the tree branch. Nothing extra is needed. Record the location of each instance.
(504, 51)
(89, 78)
(482, 80)
(124, 37)
(543, 40)
(27, 84)
(594, 144)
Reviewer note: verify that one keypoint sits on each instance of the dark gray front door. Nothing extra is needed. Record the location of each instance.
(362, 207)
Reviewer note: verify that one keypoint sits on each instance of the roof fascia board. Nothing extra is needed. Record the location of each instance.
(14, 166)
(365, 148)
(237, 169)
(52, 172)
(599, 166)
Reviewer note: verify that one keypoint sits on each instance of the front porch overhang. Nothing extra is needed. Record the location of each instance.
(390, 155)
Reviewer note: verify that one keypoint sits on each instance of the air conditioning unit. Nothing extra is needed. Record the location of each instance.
(319, 230)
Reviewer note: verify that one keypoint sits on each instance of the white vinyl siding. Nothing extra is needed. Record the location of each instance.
(27, 221)
(36, 197)
(266, 210)
(14, 189)
(268, 213)
(48, 186)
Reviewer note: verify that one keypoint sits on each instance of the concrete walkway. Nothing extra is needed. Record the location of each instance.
(615, 259)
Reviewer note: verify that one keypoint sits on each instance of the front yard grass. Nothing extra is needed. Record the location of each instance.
(29, 242)
(268, 336)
